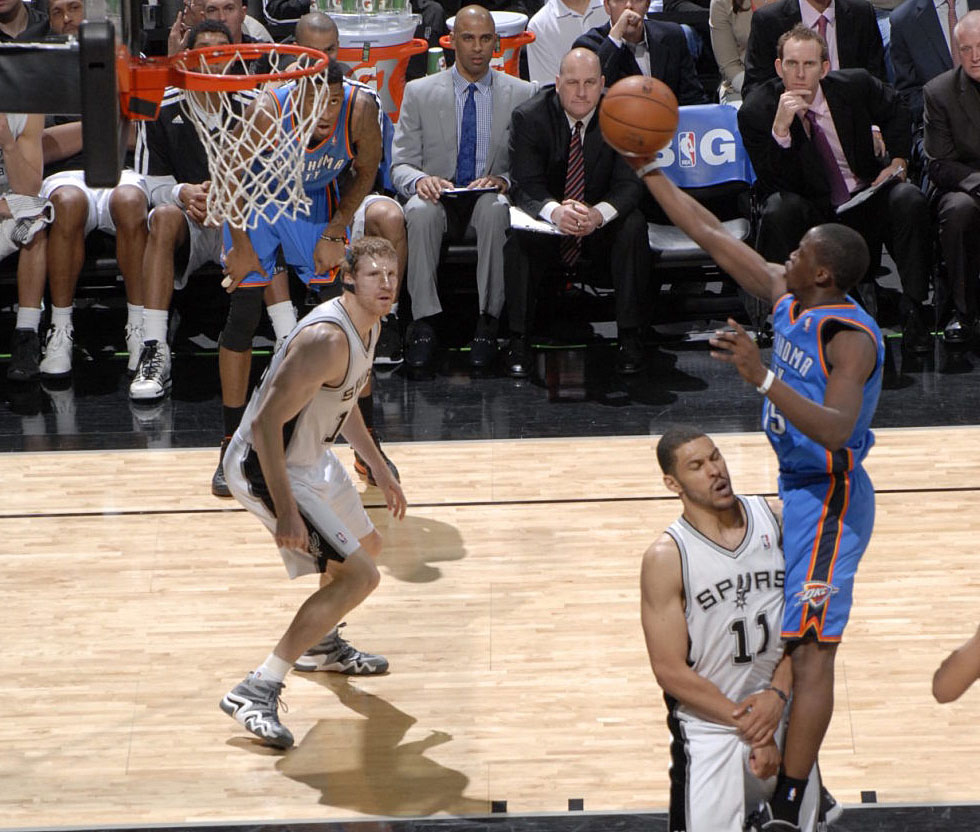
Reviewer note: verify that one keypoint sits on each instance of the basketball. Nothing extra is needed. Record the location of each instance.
(638, 116)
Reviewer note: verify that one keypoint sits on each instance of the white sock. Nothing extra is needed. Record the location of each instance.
(273, 669)
(283, 317)
(61, 317)
(155, 325)
(28, 318)
(134, 315)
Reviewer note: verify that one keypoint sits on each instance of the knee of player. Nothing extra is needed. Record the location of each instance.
(165, 222)
(384, 218)
(70, 206)
(373, 544)
(244, 314)
(811, 660)
(127, 205)
(366, 573)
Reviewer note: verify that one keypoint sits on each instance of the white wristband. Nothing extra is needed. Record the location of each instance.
(766, 382)
(649, 167)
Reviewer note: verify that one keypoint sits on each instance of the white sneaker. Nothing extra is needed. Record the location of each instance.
(134, 346)
(57, 351)
(152, 379)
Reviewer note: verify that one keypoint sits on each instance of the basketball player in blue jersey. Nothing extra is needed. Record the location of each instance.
(821, 393)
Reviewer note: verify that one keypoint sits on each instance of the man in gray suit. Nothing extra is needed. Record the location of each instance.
(952, 144)
(452, 133)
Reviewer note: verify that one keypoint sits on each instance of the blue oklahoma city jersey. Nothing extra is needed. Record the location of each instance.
(798, 359)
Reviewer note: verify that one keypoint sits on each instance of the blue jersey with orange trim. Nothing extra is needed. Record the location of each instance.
(798, 359)
(324, 161)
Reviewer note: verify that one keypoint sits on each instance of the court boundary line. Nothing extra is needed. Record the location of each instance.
(649, 498)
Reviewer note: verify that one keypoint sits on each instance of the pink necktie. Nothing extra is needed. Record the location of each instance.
(951, 10)
(822, 26)
(570, 247)
(839, 193)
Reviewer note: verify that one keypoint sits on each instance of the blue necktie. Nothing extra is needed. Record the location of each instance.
(466, 158)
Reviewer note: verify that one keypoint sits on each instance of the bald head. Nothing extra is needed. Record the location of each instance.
(318, 31)
(579, 82)
(474, 38)
(474, 15)
(967, 43)
(582, 59)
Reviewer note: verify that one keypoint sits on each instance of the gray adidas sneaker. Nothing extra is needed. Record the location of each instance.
(255, 704)
(335, 654)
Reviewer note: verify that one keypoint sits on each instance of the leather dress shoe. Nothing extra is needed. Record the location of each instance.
(630, 358)
(519, 358)
(483, 347)
(959, 330)
(422, 344)
(916, 337)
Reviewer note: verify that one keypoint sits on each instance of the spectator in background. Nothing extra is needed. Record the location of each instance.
(848, 26)
(631, 44)
(922, 45)
(730, 21)
(193, 12)
(808, 134)
(233, 14)
(556, 26)
(597, 211)
(883, 11)
(21, 21)
(952, 145)
(452, 133)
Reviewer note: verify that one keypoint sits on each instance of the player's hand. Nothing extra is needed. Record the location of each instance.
(327, 255)
(177, 39)
(764, 761)
(391, 488)
(734, 346)
(291, 531)
(497, 182)
(240, 262)
(195, 200)
(757, 717)
(791, 105)
(430, 188)
(6, 134)
(629, 27)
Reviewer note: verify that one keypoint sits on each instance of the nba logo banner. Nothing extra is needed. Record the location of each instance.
(687, 155)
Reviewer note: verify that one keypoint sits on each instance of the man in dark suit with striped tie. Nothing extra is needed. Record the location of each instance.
(563, 172)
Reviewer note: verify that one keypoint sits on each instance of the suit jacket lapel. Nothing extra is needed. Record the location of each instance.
(446, 109)
(499, 118)
(658, 58)
(928, 21)
(840, 111)
(969, 99)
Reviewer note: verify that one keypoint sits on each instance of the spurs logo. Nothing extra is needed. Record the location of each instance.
(816, 592)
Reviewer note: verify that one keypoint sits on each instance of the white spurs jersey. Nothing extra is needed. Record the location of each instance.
(17, 122)
(314, 429)
(733, 603)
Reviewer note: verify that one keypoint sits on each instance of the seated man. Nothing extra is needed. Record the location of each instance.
(631, 44)
(556, 26)
(452, 133)
(193, 12)
(922, 45)
(566, 174)
(808, 134)
(848, 26)
(21, 21)
(22, 220)
(952, 145)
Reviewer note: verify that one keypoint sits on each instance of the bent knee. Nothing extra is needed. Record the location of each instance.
(372, 543)
(384, 218)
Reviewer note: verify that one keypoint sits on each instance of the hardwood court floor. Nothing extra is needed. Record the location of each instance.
(132, 600)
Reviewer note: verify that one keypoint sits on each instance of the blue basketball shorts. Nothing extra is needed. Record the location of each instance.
(827, 523)
(297, 238)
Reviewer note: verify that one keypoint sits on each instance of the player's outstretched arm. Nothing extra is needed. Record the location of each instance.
(665, 631)
(744, 264)
(958, 671)
(316, 356)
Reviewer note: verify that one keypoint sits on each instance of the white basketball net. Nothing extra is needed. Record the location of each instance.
(255, 161)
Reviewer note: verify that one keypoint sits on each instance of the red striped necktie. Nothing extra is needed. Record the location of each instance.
(571, 247)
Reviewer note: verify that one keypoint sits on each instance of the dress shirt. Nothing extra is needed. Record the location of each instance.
(608, 212)
(942, 12)
(483, 98)
(810, 16)
(641, 51)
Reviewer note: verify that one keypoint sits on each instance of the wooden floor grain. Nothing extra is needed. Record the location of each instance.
(132, 600)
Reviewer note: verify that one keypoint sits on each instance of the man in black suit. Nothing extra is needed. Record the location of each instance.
(808, 134)
(952, 144)
(922, 47)
(629, 44)
(851, 32)
(554, 136)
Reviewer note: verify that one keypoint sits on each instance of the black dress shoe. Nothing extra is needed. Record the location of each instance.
(959, 331)
(630, 359)
(422, 344)
(916, 337)
(483, 347)
(519, 358)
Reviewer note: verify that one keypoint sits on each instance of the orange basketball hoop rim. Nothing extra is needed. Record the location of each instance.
(142, 81)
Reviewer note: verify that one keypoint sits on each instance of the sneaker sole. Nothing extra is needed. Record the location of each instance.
(232, 709)
(156, 396)
(353, 670)
(387, 361)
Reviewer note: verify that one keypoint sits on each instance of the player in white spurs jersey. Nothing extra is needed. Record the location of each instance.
(712, 603)
(280, 466)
